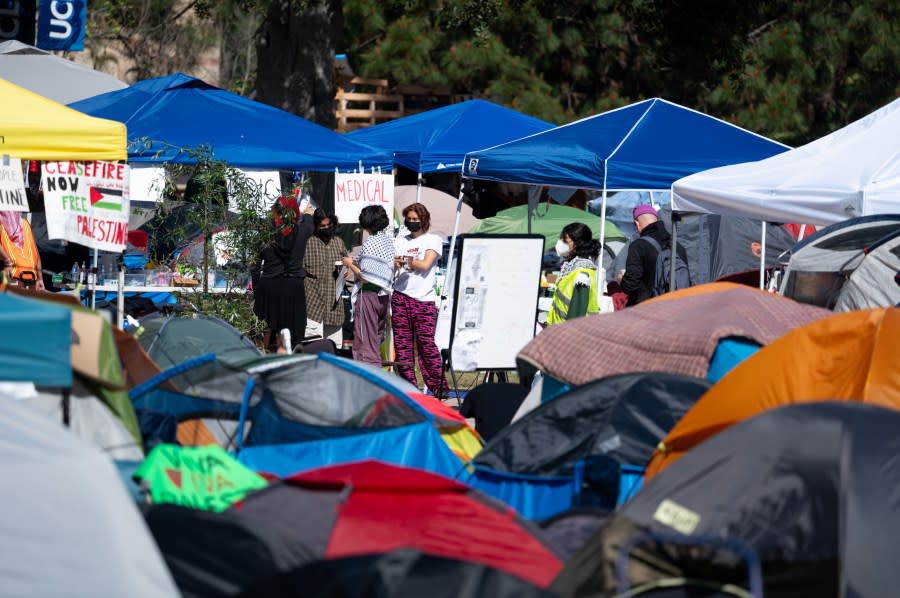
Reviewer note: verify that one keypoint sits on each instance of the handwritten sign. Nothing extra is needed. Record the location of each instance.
(12, 186)
(87, 203)
(354, 191)
(203, 477)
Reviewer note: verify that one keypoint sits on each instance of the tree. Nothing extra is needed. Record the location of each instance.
(295, 57)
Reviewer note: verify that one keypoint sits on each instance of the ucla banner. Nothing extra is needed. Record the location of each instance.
(61, 24)
(17, 20)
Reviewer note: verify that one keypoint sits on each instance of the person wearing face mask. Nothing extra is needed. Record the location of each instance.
(413, 304)
(325, 314)
(576, 288)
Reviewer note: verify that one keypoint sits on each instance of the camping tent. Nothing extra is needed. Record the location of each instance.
(64, 503)
(178, 113)
(288, 413)
(35, 128)
(440, 205)
(848, 264)
(354, 509)
(854, 171)
(437, 140)
(170, 340)
(587, 446)
(547, 219)
(52, 76)
(679, 332)
(848, 357)
(797, 495)
(35, 343)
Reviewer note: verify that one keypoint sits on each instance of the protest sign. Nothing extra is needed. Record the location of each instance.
(87, 203)
(201, 477)
(354, 191)
(12, 186)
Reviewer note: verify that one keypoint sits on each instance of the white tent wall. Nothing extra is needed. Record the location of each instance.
(69, 526)
(854, 171)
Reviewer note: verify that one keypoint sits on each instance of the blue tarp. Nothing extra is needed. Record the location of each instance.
(178, 112)
(437, 140)
(35, 342)
(646, 145)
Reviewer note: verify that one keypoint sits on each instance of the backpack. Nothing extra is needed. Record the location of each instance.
(664, 268)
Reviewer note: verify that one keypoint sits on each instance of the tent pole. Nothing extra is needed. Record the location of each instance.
(92, 279)
(762, 259)
(459, 203)
(601, 271)
(419, 188)
(675, 220)
(120, 299)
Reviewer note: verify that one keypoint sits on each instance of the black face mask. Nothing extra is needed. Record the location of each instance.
(325, 233)
(412, 227)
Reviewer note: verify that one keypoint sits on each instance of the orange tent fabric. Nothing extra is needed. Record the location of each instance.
(850, 356)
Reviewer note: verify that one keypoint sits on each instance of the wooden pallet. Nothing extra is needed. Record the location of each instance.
(368, 103)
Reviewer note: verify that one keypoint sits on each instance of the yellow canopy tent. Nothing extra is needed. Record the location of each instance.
(33, 127)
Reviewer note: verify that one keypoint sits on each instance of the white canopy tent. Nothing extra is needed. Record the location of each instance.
(854, 171)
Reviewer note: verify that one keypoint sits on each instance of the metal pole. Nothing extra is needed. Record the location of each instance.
(762, 259)
(601, 271)
(120, 299)
(92, 279)
(674, 249)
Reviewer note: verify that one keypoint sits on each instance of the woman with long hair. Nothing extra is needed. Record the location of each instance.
(323, 251)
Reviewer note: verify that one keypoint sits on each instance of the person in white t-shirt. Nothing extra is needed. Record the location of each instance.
(413, 304)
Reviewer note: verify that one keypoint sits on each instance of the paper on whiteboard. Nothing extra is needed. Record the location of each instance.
(466, 347)
(472, 308)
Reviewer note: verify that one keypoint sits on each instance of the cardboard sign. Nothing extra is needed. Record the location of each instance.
(87, 203)
(12, 186)
(354, 191)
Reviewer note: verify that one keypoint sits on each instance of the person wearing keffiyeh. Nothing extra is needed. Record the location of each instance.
(374, 271)
(18, 251)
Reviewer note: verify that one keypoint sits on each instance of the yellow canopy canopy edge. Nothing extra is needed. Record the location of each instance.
(33, 127)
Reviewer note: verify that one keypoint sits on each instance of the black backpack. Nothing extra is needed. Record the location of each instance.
(661, 281)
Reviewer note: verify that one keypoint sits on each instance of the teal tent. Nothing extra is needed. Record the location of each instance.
(546, 219)
(36, 342)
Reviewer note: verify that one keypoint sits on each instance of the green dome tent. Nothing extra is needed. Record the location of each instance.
(547, 219)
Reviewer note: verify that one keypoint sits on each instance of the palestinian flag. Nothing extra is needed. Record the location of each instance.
(109, 199)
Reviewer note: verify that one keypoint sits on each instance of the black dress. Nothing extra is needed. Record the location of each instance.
(279, 296)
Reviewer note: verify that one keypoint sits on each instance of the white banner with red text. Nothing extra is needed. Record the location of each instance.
(354, 191)
(87, 203)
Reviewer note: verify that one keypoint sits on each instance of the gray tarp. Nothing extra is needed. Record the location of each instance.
(69, 527)
(51, 76)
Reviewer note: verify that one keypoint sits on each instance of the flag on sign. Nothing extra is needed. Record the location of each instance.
(109, 199)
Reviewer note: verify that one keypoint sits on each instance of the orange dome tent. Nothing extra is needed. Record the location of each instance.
(851, 356)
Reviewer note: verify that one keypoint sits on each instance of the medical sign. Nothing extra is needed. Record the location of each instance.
(354, 191)
(12, 186)
(61, 24)
(87, 203)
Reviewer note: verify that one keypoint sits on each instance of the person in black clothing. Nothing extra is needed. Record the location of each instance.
(280, 299)
(640, 267)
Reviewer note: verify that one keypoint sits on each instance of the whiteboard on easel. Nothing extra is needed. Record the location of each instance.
(495, 296)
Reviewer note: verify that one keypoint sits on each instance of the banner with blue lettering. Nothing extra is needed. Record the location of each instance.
(61, 24)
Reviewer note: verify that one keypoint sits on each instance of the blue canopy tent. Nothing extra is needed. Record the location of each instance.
(36, 344)
(178, 113)
(646, 146)
(437, 140)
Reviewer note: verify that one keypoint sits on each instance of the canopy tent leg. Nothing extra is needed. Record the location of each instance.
(419, 189)
(601, 271)
(762, 259)
(92, 279)
(120, 300)
(674, 223)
